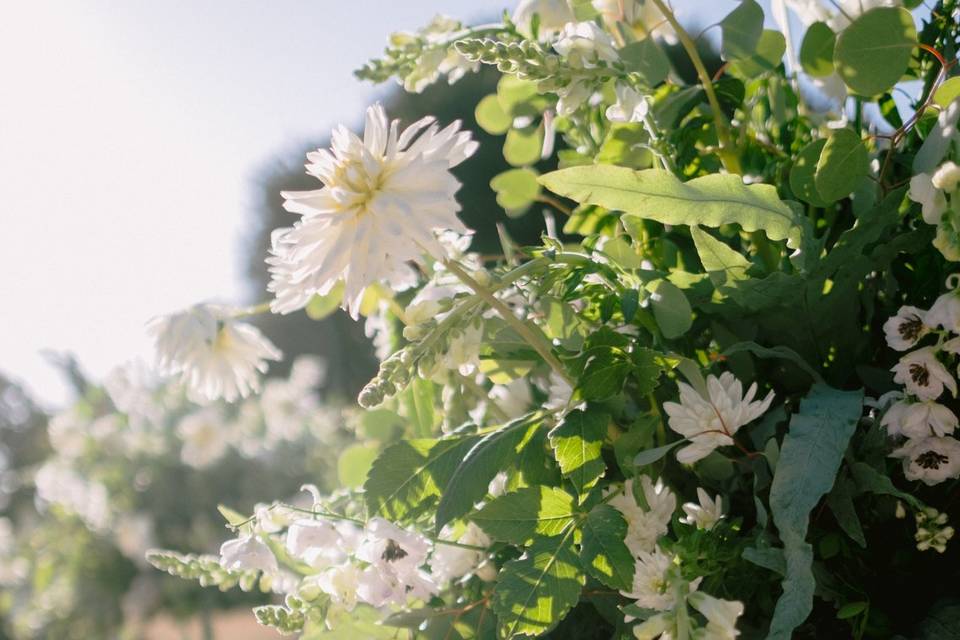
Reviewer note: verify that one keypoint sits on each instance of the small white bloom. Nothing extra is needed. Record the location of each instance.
(705, 514)
(906, 328)
(645, 526)
(918, 419)
(559, 392)
(721, 615)
(946, 177)
(463, 350)
(439, 57)
(514, 398)
(341, 583)
(945, 312)
(618, 10)
(316, 542)
(572, 96)
(383, 199)
(651, 584)
(248, 553)
(712, 422)
(933, 202)
(215, 356)
(923, 375)
(930, 460)
(554, 14)
(584, 44)
(203, 436)
(452, 563)
(386, 545)
(630, 106)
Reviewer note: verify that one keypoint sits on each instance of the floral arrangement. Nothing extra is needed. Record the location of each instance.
(717, 402)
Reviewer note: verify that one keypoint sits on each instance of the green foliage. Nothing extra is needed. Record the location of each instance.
(816, 51)
(577, 442)
(741, 30)
(843, 163)
(603, 553)
(873, 53)
(516, 189)
(521, 515)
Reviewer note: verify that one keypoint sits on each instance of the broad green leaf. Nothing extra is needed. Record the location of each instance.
(843, 164)
(535, 591)
(809, 460)
(711, 201)
(648, 59)
(522, 146)
(852, 609)
(495, 452)
(519, 516)
(491, 117)
(626, 145)
(947, 92)
(741, 30)
(873, 53)
(408, 475)
(603, 553)
(803, 172)
(577, 442)
(629, 304)
(354, 463)
(622, 252)
(516, 189)
(603, 376)
(670, 308)
(722, 263)
(767, 57)
(816, 50)
(870, 480)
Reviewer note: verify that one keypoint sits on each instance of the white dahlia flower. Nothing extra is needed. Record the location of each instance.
(383, 198)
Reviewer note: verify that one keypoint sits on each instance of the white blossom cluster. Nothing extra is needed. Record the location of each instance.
(939, 197)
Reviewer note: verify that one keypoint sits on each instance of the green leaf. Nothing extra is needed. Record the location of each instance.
(816, 50)
(495, 452)
(840, 501)
(741, 30)
(603, 553)
(536, 591)
(948, 92)
(870, 480)
(852, 609)
(577, 442)
(843, 163)
(647, 367)
(516, 189)
(649, 456)
(522, 146)
(603, 377)
(809, 460)
(722, 263)
(622, 252)
(321, 307)
(873, 53)
(233, 518)
(531, 511)
(519, 98)
(803, 172)
(646, 58)
(629, 304)
(381, 424)
(784, 353)
(767, 57)
(711, 201)
(354, 463)
(407, 476)
(670, 308)
(491, 117)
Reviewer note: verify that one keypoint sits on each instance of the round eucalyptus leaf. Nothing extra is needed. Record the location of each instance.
(873, 53)
(523, 146)
(516, 188)
(491, 117)
(843, 163)
(816, 50)
(803, 171)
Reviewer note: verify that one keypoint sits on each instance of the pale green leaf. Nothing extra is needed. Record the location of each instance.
(519, 516)
(720, 261)
(647, 58)
(741, 30)
(516, 189)
(354, 463)
(804, 171)
(671, 309)
(522, 146)
(767, 57)
(491, 117)
(816, 50)
(873, 53)
(843, 164)
(577, 442)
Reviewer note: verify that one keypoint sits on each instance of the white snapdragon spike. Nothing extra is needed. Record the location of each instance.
(945, 312)
(721, 615)
(215, 355)
(584, 44)
(946, 177)
(711, 422)
(651, 583)
(383, 198)
(439, 59)
(452, 563)
(919, 419)
(631, 106)
(933, 203)
(922, 374)
(248, 553)
(645, 526)
(905, 329)
(553, 14)
(341, 583)
(203, 436)
(572, 96)
(387, 546)
(930, 460)
(463, 350)
(315, 542)
(272, 517)
(705, 513)
(618, 10)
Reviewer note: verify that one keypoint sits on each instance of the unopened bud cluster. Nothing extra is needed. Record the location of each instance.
(394, 376)
(933, 532)
(525, 59)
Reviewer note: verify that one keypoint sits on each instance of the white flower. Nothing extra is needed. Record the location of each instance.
(383, 198)
(712, 422)
(945, 312)
(386, 545)
(584, 44)
(946, 177)
(316, 542)
(923, 375)
(90, 500)
(721, 615)
(706, 513)
(554, 14)
(204, 438)
(651, 582)
(630, 106)
(216, 356)
(645, 525)
(618, 10)
(933, 202)
(341, 583)
(514, 398)
(463, 350)
(906, 328)
(559, 392)
(248, 553)
(439, 57)
(452, 563)
(918, 419)
(572, 96)
(837, 15)
(930, 460)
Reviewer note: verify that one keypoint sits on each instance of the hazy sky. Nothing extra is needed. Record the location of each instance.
(129, 134)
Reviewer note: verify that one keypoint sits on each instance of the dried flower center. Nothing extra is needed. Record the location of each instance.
(911, 328)
(920, 374)
(393, 552)
(932, 459)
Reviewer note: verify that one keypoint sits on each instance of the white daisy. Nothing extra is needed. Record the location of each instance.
(645, 525)
(712, 422)
(906, 328)
(703, 514)
(215, 356)
(923, 375)
(918, 419)
(721, 615)
(651, 583)
(383, 199)
(930, 460)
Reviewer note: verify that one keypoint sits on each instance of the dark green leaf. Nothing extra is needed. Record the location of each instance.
(603, 553)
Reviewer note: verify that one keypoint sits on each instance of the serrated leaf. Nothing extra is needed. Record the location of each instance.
(816, 50)
(720, 261)
(604, 374)
(603, 553)
(809, 460)
(711, 201)
(671, 309)
(577, 442)
(874, 51)
(741, 30)
(535, 592)
(519, 516)
(842, 164)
